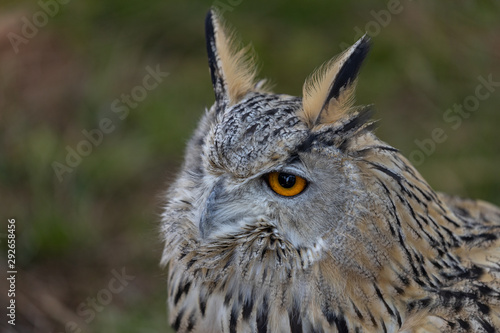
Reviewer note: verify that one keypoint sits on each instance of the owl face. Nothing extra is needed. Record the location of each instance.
(260, 169)
(276, 160)
(264, 159)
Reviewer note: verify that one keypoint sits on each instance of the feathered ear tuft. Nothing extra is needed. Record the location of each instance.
(233, 70)
(328, 94)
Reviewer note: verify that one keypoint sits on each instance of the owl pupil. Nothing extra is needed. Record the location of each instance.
(286, 180)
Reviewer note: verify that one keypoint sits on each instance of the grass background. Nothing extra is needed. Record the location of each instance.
(103, 215)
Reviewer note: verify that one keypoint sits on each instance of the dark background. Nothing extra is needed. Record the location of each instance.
(74, 231)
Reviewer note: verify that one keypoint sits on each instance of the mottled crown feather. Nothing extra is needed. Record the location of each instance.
(328, 94)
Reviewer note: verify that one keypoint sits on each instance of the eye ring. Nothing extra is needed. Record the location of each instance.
(286, 184)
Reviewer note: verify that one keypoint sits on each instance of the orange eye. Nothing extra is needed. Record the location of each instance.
(286, 184)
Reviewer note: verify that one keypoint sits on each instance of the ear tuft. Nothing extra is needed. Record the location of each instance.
(328, 94)
(232, 68)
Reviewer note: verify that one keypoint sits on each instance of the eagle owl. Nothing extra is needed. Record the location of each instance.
(290, 215)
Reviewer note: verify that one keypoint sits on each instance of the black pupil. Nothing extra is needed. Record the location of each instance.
(286, 180)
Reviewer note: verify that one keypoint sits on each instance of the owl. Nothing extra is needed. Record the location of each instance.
(290, 215)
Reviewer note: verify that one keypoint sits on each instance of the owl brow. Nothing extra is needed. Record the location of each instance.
(307, 144)
(358, 124)
(361, 118)
(294, 158)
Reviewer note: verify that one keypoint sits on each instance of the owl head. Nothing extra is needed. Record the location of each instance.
(289, 214)
(264, 166)
(278, 159)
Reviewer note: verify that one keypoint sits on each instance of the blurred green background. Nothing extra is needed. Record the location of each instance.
(103, 216)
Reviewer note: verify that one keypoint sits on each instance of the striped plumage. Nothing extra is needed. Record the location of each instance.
(366, 246)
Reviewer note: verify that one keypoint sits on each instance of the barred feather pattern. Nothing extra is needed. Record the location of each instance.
(414, 261)
(368, 246)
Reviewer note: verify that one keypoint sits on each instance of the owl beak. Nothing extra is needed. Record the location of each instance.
(207, 219)
(220, 216)
(215, 216)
